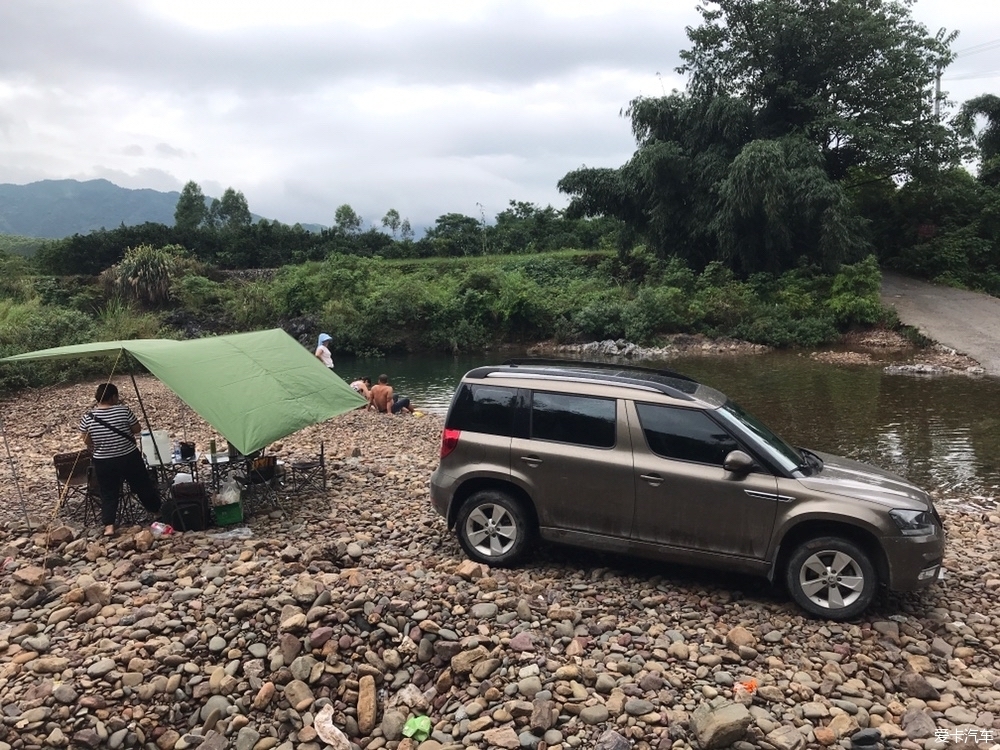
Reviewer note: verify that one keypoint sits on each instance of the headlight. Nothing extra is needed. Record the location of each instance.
(913, 522)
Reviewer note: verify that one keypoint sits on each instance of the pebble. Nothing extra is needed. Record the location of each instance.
(360, 603)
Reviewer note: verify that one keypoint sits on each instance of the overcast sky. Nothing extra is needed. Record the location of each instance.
(426, 107)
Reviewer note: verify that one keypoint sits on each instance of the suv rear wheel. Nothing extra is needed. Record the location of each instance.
(831, 577)
(493, 528)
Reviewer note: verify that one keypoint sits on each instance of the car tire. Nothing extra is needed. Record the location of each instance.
(832, 578)
(493, 528)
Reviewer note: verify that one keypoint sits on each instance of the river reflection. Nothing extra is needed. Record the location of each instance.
(941, 432)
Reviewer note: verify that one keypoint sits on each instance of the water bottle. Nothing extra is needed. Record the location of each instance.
(177, 452)
(161, 529)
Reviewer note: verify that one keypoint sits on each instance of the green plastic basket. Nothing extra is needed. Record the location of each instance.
(227, 515)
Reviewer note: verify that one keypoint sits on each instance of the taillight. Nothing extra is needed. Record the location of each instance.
(449, 440)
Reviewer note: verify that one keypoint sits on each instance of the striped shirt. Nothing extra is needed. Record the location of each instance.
(108, 443)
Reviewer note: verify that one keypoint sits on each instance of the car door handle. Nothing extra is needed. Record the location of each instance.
(532, 461)
(653, 479)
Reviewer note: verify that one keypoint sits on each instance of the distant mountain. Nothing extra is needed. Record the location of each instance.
(60, 208)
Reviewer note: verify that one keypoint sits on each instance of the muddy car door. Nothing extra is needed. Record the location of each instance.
(577, 465)
(685, 499)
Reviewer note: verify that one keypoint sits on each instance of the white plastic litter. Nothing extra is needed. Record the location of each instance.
(240, 532)
(331, 735)
(229, 492)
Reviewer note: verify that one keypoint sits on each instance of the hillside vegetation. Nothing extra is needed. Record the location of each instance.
(374, 306)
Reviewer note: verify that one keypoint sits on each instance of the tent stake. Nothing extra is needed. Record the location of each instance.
(13, 471)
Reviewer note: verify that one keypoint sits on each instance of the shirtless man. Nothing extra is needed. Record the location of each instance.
(385, 401)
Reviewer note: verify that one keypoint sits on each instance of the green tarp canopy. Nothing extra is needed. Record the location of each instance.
(254, 388)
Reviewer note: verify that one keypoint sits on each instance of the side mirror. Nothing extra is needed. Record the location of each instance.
(738, 462)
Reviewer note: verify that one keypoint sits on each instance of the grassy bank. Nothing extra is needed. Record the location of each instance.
(373, 306)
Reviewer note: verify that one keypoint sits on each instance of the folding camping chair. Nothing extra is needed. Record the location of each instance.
(77, 486)
(258, 484)
(309, 475)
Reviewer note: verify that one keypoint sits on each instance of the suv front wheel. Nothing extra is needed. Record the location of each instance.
(493, 528)
(831, 577)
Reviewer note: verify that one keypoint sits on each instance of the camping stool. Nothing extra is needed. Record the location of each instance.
(309, 475)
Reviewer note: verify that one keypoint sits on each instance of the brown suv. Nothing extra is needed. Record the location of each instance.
(652, 463)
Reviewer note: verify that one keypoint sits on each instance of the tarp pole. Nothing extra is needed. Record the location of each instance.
(13, 471)
(142, 408)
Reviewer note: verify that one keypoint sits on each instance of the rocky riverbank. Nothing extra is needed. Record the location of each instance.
(880, 347)
(349, 613)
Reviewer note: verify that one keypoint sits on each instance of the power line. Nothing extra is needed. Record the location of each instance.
(977, 48)
(972, 76)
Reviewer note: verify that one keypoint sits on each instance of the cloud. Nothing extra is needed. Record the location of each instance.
(305, 104)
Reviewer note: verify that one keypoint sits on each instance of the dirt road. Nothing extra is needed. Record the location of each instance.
(968, 322)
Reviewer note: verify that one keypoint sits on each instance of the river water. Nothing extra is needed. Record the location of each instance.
(942, 432)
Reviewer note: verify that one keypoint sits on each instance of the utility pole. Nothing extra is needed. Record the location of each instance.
(482, 223)
(937, 94)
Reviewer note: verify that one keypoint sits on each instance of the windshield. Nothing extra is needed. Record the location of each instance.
(777, 449)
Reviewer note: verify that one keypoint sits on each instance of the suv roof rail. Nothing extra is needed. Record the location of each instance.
(579, 363)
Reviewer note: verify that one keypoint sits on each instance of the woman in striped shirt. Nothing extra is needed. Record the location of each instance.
(109, 431)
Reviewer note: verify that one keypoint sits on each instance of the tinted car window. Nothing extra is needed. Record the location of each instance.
(580, 420)
(484, 408)
(684, 434)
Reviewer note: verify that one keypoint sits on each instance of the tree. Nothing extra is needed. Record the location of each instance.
(455, 234)
(232, 211)
(391, 220)
(405, 230)
(785, 99)
(853, 76)
(987, 138)
(347, 220)
(191, 210)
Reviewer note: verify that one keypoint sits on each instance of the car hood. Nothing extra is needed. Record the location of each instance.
(843, 476)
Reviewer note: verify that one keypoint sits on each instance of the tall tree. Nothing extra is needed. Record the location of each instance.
(853, 76)
(347, 219)
(191, 211)
(391, 221)
(785, 99)
(232, 211)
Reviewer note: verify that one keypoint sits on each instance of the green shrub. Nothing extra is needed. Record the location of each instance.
(199, 294)
(855, 297)
(778, 328)
(252, 306)
(120, 321)
(655, 310)
(26, 328)
(601, 319)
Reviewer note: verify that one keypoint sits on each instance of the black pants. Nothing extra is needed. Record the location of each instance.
(132, 469)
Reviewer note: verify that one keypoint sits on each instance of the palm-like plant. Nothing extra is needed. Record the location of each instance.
(143, 275)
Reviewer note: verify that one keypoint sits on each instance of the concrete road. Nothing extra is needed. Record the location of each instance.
(968, 322)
